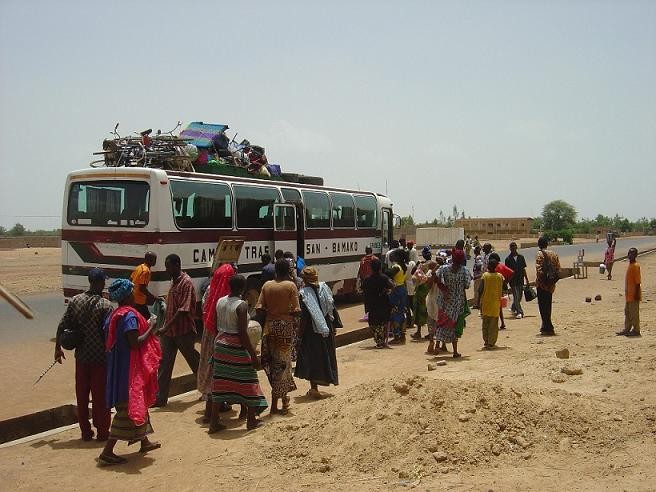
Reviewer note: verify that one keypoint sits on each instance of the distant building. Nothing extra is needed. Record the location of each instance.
(490, 226)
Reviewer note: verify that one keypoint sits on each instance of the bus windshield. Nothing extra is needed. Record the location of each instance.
(109, 204)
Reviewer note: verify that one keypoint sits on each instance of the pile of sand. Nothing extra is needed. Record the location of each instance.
(414, 426)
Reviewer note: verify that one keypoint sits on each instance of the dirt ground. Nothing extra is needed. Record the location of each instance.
(31, 270)
(500, 420)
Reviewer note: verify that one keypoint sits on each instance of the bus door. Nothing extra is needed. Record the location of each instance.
(387, 230)
(285, 229)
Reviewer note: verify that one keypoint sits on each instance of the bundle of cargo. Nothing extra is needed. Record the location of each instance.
(162, 150)
(200, 147)
(216, 151)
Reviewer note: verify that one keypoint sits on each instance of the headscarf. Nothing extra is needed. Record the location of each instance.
(318, 300)
(458, 257)
(310, 276)
(120, 289)
(219, 287)
(426, 253)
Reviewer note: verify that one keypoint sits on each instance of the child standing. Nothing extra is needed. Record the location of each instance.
(633, 294)
(490, 291)
(431, 305)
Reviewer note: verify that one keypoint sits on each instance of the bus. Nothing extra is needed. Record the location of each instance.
(112, 216)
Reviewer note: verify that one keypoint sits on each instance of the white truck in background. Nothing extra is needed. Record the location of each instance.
(439, 237)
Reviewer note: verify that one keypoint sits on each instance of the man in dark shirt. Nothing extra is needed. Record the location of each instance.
(268, 268)
(87, 312)
(517, 264)
(179, 330)
(376, 288)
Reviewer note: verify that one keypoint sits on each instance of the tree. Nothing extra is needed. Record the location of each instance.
(455, 212)
(407, 221)
(625, 225)
(3, 231)
(558, 215)
(17, 230)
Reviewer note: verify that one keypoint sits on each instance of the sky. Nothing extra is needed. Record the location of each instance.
(498, 107)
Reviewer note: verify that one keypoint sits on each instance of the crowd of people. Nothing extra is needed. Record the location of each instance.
(401, 292)
(124, 355)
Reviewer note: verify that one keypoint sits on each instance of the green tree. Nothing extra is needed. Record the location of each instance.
(407, 221)
(17, 230)
(642, 224)
(3, 231)
(603, 222)
(558, 215)
(625, 225)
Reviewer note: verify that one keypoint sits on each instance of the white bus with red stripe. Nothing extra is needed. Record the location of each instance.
(112, 216)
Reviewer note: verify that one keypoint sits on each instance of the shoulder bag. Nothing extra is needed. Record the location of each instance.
(72, 336)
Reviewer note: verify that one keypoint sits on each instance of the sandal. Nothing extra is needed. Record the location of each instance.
(312, 393)
(150, 447)
(108, 460)
(258, 423)
(456, 355)
(219, 427)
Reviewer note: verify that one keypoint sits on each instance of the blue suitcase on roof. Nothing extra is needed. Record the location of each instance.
(202, 133)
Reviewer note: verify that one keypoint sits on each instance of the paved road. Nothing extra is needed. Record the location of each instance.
(48, 310)
(593, 251)
(50, 307)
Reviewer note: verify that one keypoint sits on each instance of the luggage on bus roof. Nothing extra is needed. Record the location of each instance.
(202, 134)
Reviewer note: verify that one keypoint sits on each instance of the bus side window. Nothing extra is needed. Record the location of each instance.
(290, 195)
(201, 205)
(317, 209)
(255, 206)
(366, 206)
(343, 211)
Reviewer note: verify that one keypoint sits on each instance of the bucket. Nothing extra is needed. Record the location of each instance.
(602, 268)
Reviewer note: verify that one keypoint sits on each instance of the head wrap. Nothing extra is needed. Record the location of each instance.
(458, 257)
(219, 287)
(426, 253)
(310, 276)
(120, 289)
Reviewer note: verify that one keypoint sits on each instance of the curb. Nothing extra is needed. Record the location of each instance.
(65, 415)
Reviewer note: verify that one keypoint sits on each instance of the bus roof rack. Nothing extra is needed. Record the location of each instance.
(200, 147)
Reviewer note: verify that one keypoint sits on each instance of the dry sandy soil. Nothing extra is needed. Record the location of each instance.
(31, 270)
(501, 420)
